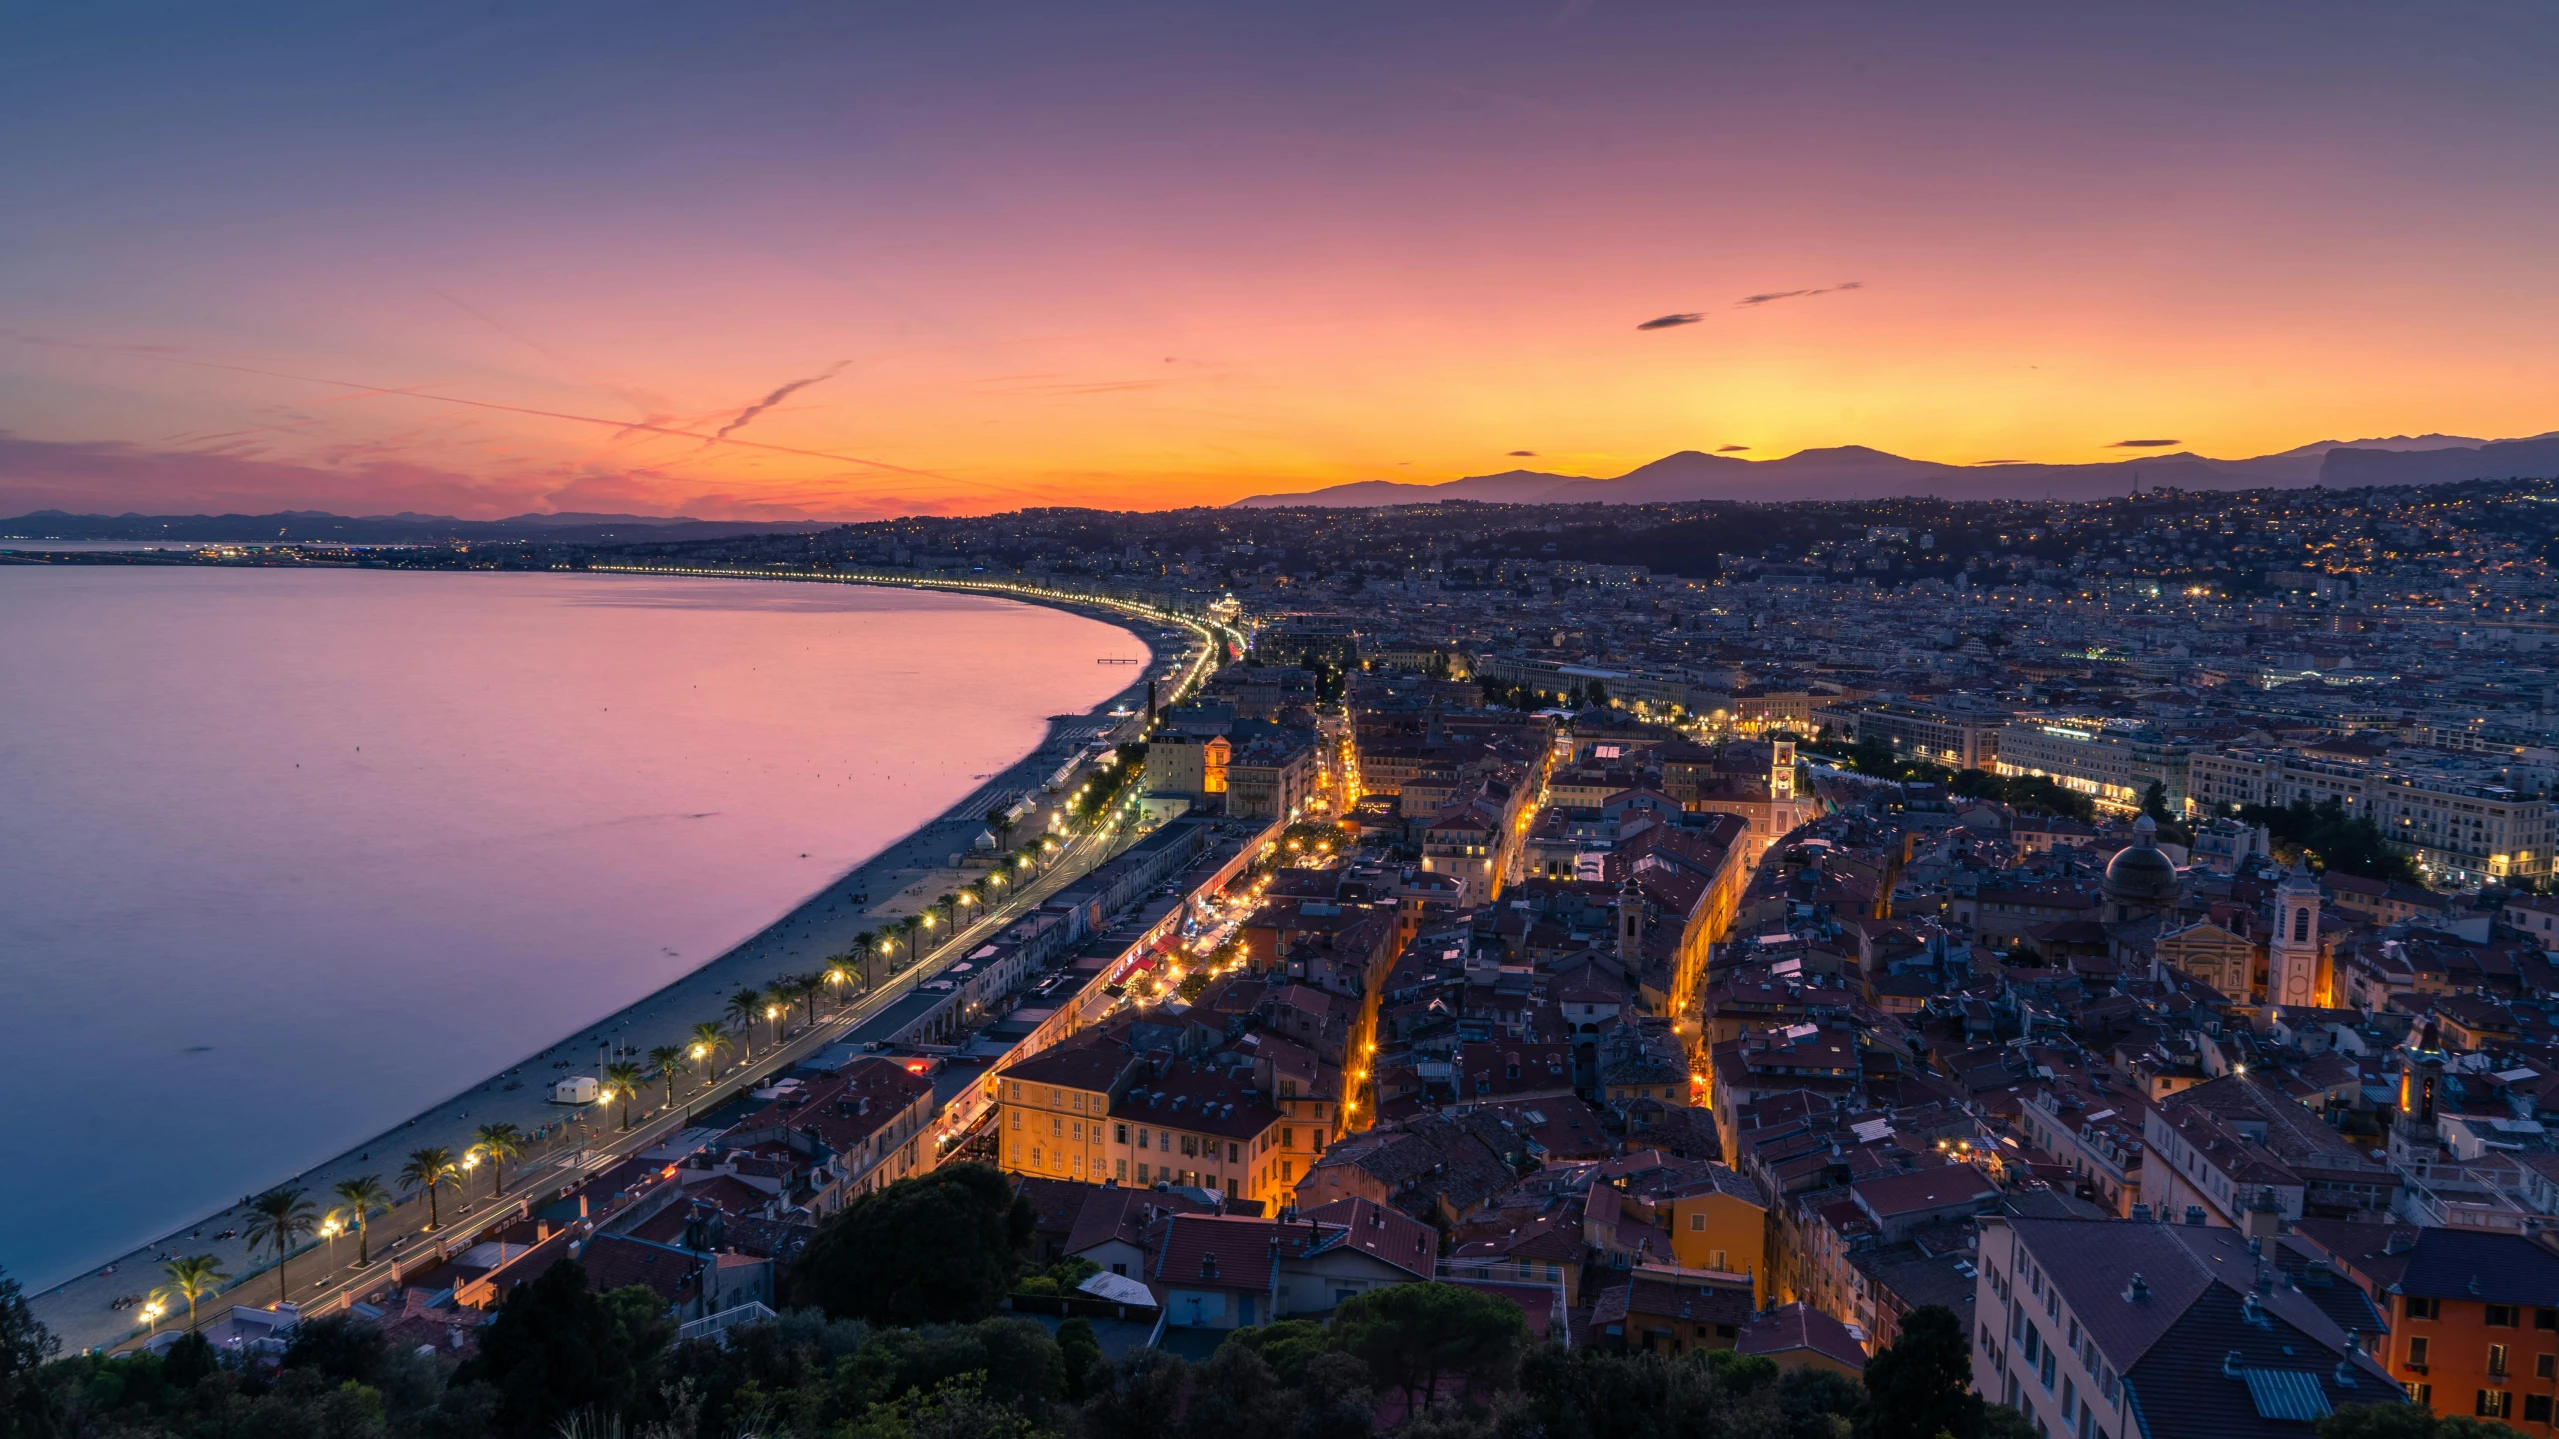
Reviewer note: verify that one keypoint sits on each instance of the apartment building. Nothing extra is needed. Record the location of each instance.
(2113, 762)
(2126, 1329)
(2232, 1152)
(1958, 732)
(2474, 1317)
(2449, 819)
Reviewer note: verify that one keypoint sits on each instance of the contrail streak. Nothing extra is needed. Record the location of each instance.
(417, 394)
(777, 397)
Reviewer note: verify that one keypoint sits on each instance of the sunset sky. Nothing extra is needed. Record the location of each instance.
(375, 258)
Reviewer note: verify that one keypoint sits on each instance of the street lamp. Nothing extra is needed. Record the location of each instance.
(152, 1309)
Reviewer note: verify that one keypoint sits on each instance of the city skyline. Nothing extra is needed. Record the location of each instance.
(810, 266)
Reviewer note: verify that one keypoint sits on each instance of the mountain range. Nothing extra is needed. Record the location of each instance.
(1854, 472)
(403, 528)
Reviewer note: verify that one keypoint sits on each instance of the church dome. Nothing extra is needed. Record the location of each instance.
(2139, 873)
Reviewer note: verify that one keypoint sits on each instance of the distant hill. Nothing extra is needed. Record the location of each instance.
(1855, 472)
(399, 529)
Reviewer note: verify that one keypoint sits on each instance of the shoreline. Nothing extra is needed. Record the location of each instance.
(821, 923)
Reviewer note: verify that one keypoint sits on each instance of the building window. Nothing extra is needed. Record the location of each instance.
(2495, 1404)
(1697, 1223)
(2496, 1361)
(2417, 1352)
(2536, 1409)
(2416, 1308)
(1119, 1133)
(2501, 1316)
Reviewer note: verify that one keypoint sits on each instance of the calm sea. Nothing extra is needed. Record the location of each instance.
(286, 856)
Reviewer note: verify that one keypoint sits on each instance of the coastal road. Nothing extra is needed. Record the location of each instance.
(324, 1277)
(574, 1141)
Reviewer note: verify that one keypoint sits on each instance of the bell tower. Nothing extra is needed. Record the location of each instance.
(2292, 950)
(1781, 771)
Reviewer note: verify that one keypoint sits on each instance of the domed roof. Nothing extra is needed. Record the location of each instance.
(2139, 873)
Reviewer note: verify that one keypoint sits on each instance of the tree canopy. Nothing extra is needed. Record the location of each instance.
(941, 1248)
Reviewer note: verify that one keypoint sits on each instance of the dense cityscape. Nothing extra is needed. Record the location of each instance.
(2065, 967)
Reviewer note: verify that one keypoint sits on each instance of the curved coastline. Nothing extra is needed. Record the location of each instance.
(77, 1309)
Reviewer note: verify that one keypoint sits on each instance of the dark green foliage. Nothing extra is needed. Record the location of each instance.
(1144, 1399)
(938, 1249)
(2030, 794)
(1286, 1346)
(27, 1408)
(188, 1360)
(1922, 1386)
(1237, 1396)
(2002, 1422)
(557, 1347)
(2350, 844)
(1594, 1394)
(2407, 1421)
(341, 1347)
(1079, 1353)
(1448, 1358)
(1061, 1277)
(1420, 1338)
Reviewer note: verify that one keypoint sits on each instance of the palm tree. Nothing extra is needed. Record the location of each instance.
(863, 950)
(427, 1169)
(500, 1142)
(669, 1059)
(949, 904)
(837, 975)
(1000, 821)
(808, 986)
(744, 1007)
(978, 889)
(153, 1306)
(277, 1218)
(786, 993)
(365, 1198)
(907, 929)
(709, 1038)
(626, 1078)
(196, 1276)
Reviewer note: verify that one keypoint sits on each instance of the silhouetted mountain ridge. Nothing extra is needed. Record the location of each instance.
(1859, 472)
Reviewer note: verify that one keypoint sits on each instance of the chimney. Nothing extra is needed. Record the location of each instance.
(2137, 1291)
(2230, 1364)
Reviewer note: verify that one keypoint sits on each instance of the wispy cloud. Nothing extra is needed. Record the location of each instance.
(1523, 454)
(1747, 302)
(2141, 444)
(1772, 296)
(88, 477)
(1729, 449)
(777, 397)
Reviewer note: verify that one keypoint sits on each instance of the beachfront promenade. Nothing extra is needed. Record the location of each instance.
(574, 1141)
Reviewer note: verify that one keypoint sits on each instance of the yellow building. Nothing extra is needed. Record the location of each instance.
(1719, 1223)
(1052, 1111)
